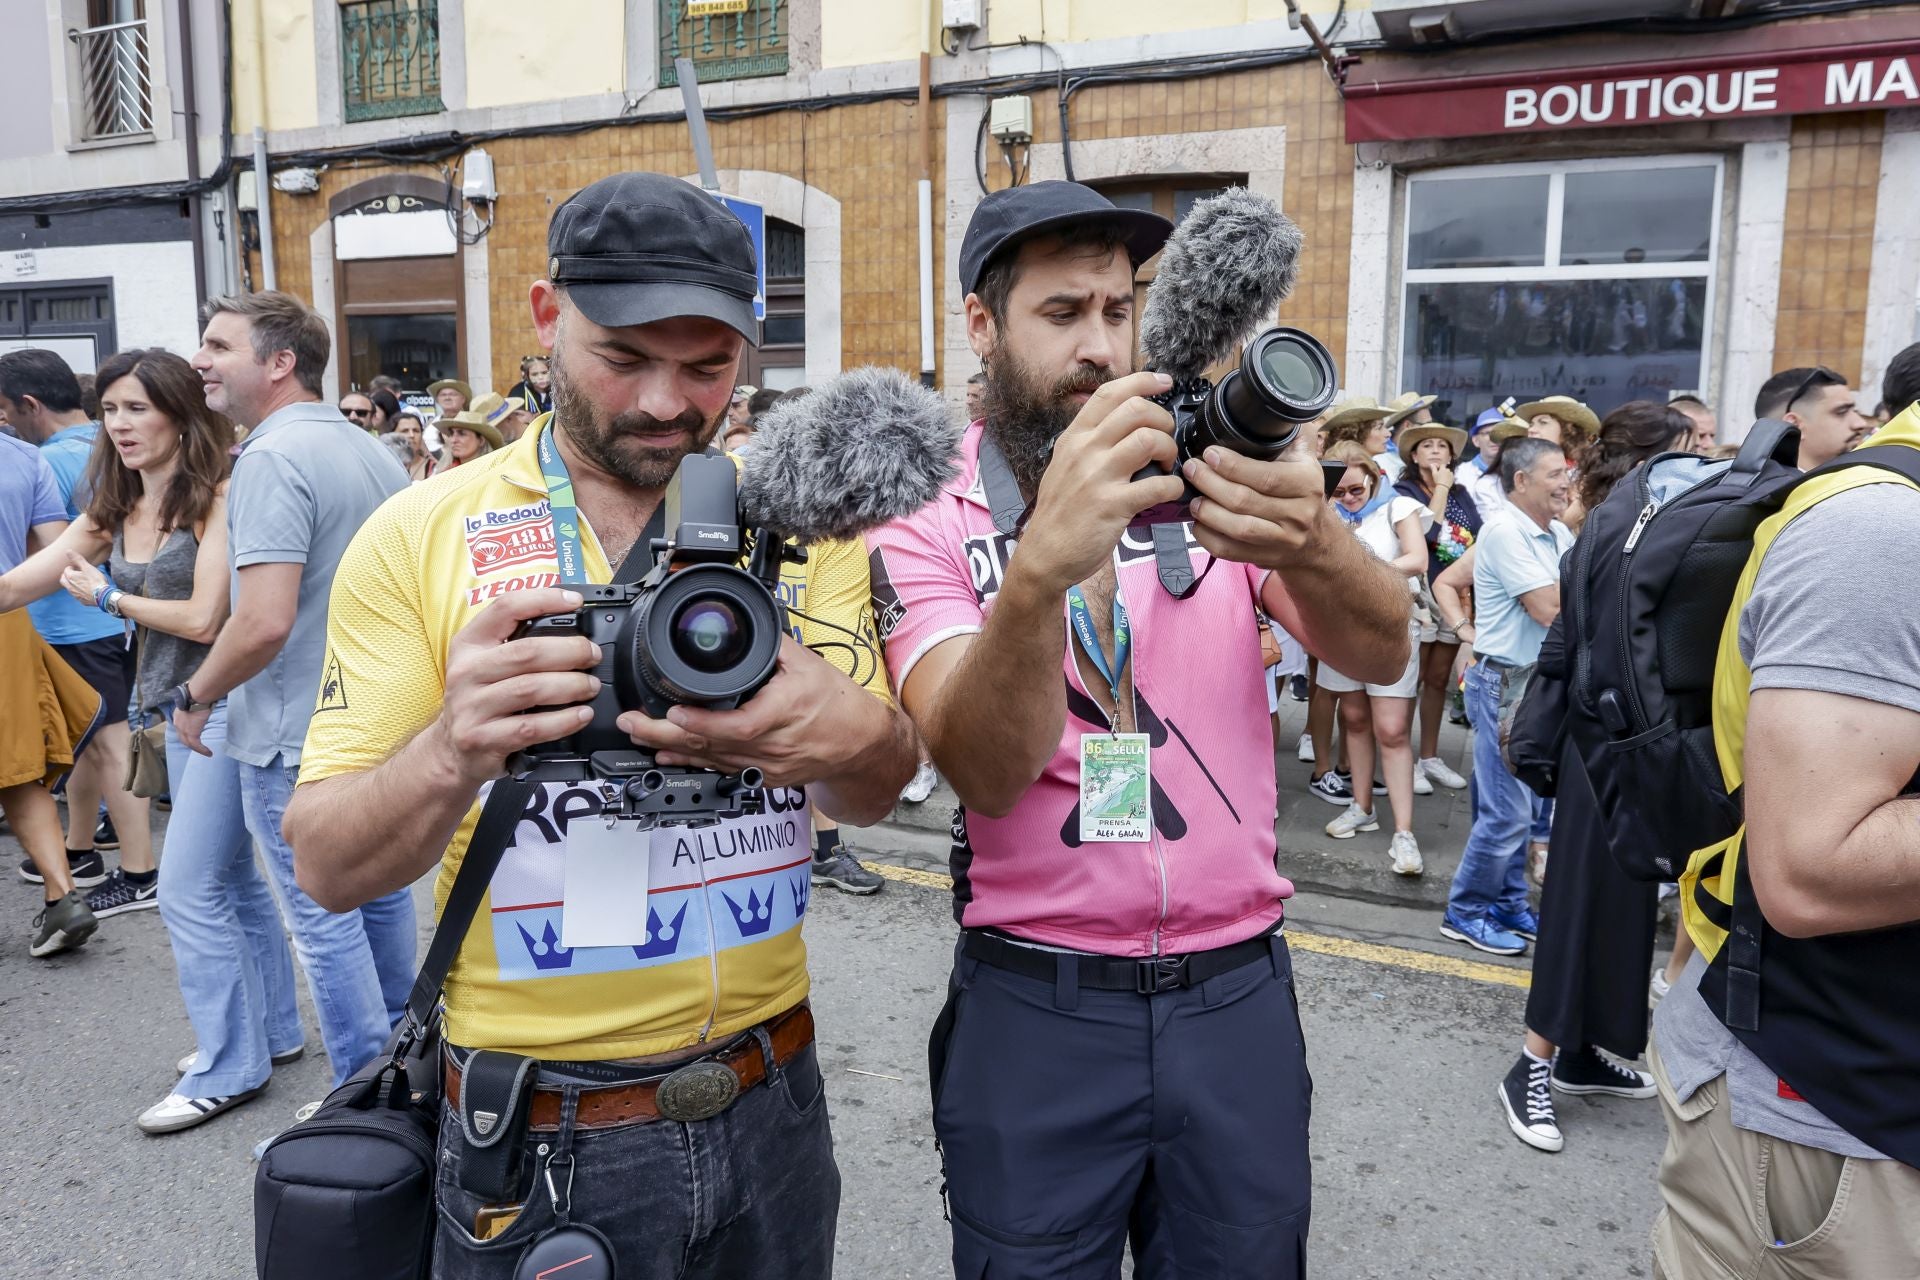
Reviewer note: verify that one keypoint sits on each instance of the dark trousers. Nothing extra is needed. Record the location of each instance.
(752, 1191)
(1072, 1120)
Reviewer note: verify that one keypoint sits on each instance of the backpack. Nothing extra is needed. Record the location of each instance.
(1646, 593)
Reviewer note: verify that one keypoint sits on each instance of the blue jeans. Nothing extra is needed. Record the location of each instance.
(359, 963)
(752, 1191)
(228, 946)
(1493, 867)
(1542, 820)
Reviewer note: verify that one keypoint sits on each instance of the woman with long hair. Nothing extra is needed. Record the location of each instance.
(1379, 714)
(1431, 450)
(1590, 962)
(157, 515)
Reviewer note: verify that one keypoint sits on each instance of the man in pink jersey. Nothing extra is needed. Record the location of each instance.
(1120, 1053)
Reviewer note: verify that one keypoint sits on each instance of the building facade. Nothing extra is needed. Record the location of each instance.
(1606, 198)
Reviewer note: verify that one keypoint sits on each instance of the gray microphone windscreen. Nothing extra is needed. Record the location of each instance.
(1224, 271)
(862, 449)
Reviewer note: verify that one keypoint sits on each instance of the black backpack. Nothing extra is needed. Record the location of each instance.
(1645, 594)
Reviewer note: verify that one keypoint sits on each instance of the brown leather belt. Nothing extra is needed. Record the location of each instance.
(697, 1090)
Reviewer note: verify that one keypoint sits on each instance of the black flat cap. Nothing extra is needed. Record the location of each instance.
(634, 248)
(1005, 218)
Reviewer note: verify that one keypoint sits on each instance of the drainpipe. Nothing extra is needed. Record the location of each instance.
(263, 197)
(190, 121)
(926, 195)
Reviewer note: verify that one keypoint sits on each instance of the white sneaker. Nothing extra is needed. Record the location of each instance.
(1421, 787)
(1352, 819)
(1657, 986)
(174, 1112)
(1435, 770)
(925, 779)
(1406, 854)
(1304, 752)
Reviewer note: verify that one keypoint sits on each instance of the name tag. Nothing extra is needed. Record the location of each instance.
(604, 899)
(1116, 786)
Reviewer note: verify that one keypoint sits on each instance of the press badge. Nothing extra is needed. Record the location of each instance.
(1116, 784)
(604, 894)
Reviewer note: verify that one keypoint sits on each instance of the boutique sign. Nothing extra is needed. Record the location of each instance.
(1798, 82)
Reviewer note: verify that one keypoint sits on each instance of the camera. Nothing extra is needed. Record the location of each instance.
(1286, 378)
(697, 630)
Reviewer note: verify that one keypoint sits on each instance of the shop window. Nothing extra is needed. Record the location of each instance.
(726, 39)
(389, 58)
(1590, 279)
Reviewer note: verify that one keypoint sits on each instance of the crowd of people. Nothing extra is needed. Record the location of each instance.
(292, 624)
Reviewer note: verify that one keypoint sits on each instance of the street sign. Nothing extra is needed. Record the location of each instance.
(754, 216)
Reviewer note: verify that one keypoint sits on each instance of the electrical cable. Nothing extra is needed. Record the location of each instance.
(865, 646)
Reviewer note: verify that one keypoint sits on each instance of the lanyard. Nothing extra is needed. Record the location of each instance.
(566, 517)
(1122, 643)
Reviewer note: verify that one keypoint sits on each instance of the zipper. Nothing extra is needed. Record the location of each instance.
(1650, 507)
(1153, 836)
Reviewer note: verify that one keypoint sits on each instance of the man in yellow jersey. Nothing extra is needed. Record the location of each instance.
(646, 305)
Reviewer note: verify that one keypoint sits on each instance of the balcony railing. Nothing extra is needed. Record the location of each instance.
(116, 80)
(727, 39)
(389, 58)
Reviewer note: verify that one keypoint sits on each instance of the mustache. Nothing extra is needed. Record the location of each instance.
(1084, 380)
(688, 423)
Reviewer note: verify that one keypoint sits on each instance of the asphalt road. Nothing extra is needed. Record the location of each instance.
(1415, 1173)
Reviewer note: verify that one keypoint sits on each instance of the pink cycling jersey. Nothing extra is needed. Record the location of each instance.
(1206, 879)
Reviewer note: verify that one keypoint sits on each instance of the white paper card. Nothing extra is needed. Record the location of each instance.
(604, 900)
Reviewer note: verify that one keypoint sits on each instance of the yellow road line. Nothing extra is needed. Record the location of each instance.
(1325, 944)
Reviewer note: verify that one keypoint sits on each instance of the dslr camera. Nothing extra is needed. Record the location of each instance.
(1286, 377)
(698, 630)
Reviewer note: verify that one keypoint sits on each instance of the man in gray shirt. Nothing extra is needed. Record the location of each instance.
(304, 482)
(1792, 1145)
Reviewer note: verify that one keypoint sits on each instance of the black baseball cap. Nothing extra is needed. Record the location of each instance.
(1005, 218)
(634, 248)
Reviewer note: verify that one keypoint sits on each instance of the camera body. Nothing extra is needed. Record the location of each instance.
(1286, 377)
(697, 630)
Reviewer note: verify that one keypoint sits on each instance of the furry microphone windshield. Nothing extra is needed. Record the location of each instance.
(1225, 269)
(862, 449)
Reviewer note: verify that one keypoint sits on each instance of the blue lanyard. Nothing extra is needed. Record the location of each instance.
(1122, 641)
(566, 517)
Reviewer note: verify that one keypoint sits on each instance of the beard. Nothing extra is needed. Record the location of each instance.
(1025, 413)
(608, 445)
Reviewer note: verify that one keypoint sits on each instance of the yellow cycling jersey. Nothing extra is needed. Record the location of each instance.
(722, 947)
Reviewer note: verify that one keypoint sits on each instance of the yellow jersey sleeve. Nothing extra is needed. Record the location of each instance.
(385, 667)
(837, 594)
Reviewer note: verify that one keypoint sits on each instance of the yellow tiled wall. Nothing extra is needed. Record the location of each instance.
(1833, 179)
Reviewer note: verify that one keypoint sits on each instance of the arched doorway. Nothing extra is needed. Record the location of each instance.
(398, 282)
(781, 360)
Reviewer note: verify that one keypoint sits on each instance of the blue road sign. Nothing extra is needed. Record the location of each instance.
(754, 216)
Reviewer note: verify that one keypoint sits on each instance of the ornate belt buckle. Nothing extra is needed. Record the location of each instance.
(697, 1091)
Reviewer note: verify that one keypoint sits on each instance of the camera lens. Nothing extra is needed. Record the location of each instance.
(708, 634)
(1285, 378)
(1288, 366)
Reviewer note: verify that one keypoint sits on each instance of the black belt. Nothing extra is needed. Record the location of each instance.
(1147, 975)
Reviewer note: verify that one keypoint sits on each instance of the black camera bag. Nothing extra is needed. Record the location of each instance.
(349, 1191)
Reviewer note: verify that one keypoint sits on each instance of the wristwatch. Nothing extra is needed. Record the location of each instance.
(183, 699)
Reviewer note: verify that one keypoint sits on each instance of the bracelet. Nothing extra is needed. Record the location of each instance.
(110, 601)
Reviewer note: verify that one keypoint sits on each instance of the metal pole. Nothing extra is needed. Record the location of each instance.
(263, 198)
(926, 220)
(696, 122)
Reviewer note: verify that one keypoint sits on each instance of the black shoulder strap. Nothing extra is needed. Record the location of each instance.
(1901, 459)
(1769, 440)
(493, 833)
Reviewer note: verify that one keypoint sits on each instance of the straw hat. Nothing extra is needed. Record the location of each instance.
(484, 416)
(1357, 409)
(466, 392)
(1405, 405)
(1565, 408)
(1509, 429)
(1409, 438)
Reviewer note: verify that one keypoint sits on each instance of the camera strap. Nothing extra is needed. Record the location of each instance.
(1010, 511)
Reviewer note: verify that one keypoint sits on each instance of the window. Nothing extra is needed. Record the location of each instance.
(781, 360)
(726, 39)
(389, 58)
(1590, 279)
(73, 320)
(116, 70)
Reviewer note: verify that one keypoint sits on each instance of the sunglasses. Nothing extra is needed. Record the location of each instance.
(1351, 491)
(1818, 376)
(358, 413)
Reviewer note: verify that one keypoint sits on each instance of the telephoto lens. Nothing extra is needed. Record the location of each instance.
(1286, 378)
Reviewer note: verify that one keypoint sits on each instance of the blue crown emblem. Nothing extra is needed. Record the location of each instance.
(662, 939)
(546, 951)
(756, 917)
(802, 890)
